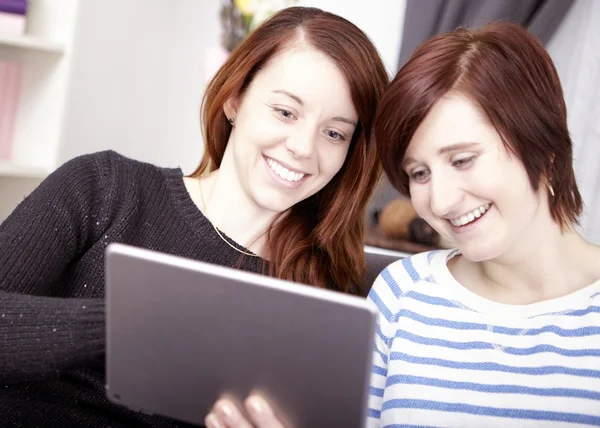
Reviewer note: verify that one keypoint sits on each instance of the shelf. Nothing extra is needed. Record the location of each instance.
(9, 169)
(31, 43)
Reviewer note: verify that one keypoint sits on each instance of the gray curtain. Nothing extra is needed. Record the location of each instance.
(426, 18)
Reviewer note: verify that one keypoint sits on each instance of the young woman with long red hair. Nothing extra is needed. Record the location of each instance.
(287, 172)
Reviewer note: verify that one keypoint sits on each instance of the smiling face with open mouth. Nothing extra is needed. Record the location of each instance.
(292, 130)
(466, 185)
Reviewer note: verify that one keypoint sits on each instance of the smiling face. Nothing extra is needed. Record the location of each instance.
(292, 128)
(466, 185)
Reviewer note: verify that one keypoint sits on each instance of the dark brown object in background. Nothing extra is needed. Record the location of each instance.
(395, 218)
(399, 221)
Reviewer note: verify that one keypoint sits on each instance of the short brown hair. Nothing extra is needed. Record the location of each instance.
(507, 72)
(320, 240)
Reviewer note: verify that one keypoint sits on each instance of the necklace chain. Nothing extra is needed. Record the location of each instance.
(217, 230)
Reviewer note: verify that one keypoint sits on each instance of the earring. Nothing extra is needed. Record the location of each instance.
(550, 189)
(231, 120)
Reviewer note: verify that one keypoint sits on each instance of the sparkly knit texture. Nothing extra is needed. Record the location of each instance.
(52, 325)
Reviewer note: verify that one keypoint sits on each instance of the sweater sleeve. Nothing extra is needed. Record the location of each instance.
(47, 231)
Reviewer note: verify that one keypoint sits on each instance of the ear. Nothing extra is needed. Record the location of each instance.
(230, 108)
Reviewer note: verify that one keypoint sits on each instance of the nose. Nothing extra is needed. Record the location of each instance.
(301, 142)
(445, 196)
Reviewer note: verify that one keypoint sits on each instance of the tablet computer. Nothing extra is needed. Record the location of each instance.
(182, 333)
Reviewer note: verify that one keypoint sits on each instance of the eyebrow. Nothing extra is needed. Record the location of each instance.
(446, 149)
(289, 94)
(343, 119)
(299, 101)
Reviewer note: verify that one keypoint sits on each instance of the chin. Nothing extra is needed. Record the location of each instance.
(273, 204)
(479, 252)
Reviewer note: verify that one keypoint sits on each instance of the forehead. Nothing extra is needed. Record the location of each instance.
(453, 119)
(308, 73)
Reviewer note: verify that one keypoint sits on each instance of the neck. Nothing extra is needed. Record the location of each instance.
(232, 211)
(548, 263)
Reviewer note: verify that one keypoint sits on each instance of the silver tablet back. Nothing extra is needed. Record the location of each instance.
(181, 333)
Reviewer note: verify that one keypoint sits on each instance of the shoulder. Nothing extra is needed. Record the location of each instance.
(402, 276)
(111, 166)
(108, 180)
(108, 159)
(411, 270)
(98, 163)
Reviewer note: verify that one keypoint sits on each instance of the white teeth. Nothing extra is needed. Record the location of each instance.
(283, 172)
(469, 217)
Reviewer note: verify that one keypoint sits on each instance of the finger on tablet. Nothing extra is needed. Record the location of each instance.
(230, 415)
(212, 421)
(261, 412)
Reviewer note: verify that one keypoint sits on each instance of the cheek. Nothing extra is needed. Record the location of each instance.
(507, 184)
(332, 158)
(262, 129)
(420, 201)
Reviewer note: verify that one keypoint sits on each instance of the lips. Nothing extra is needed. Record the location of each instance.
(470, 217)
(284, 172)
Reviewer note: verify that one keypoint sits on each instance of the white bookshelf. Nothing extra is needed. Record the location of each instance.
(44, 54)
(107, 74)
(15, 170)
(31, 43)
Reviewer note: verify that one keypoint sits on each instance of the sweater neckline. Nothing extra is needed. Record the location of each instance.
(196, 219)
(579, 299)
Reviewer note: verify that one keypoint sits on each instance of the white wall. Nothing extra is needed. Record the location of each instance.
(381, 20)
(138, 78)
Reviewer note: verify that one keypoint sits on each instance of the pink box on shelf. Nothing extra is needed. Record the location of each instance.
(10, 84)
(11, 24)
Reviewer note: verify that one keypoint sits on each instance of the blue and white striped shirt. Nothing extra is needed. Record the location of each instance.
(447, 357)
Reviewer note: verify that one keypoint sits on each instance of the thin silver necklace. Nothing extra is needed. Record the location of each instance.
(218, 231)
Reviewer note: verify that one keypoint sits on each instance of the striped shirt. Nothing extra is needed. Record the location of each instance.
(447, 357)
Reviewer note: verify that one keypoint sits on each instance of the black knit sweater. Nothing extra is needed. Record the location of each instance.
(52, 330)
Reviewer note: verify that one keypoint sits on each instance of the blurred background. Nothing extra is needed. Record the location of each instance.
(79, 76)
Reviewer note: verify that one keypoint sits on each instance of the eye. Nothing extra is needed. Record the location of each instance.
(335, 136)
(463, 163)
(285, 114)
(419, 176)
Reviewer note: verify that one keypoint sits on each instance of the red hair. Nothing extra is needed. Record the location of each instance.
(318, 241)
(507, 72)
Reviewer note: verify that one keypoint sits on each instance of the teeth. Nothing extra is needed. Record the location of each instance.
(283, 172)
(469, 217)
